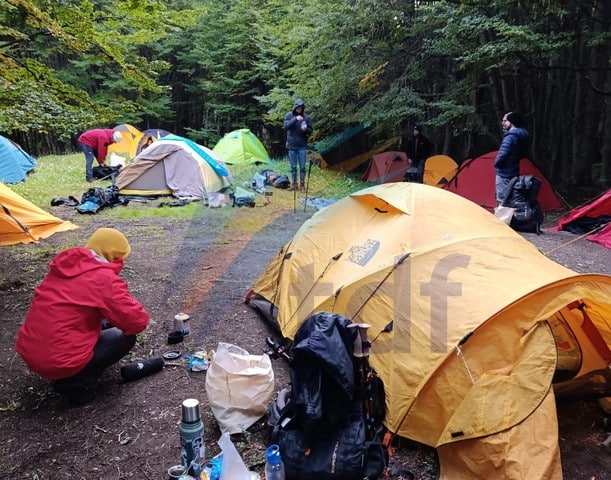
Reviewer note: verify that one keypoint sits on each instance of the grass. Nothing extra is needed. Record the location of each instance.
(64, 176)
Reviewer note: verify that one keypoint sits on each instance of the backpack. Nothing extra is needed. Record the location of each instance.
(97, 198)
(522, 195)
(328, 425)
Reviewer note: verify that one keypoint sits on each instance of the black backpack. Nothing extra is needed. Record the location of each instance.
(329, 424)
(521, 195)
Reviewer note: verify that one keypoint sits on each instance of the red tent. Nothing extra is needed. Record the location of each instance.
(475, 181)
(386, 167)
(597, 208)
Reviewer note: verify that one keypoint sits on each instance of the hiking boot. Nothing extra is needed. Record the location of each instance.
(302, 186)
(293, 187)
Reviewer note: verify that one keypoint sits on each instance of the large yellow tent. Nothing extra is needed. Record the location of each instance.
(23, 222)
(475, 310)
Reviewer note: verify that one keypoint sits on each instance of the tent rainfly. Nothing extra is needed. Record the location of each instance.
(471, 324)
(176, 166)
(15, 163)
(475, 180)
(23, 222)
(594, 217)
(241, 147)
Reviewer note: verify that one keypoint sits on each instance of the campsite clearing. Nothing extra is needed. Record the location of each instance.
(204, 266)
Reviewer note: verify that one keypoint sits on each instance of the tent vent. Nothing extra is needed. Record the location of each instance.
(457, 434)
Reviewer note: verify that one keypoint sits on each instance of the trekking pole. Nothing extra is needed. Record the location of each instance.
(305, 203)
(294, 198)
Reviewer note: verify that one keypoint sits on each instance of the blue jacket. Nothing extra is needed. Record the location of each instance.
(513, 148)
(296, 138)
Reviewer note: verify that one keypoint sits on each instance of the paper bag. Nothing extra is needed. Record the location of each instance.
(239, 387)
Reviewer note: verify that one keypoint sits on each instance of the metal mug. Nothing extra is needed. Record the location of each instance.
(182, 323)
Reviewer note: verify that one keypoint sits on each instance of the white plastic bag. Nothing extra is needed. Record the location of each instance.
(504, 213)
(233, 465)
(239, 387)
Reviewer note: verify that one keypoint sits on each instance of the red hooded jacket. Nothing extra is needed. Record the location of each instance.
(98, 139)
(65, 318)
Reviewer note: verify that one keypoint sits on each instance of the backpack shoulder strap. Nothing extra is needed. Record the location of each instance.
(509, 190)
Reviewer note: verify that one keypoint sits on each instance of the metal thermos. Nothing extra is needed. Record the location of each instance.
(192, 447)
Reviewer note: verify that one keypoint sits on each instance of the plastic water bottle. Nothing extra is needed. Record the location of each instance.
(274, 468)
(192, 447)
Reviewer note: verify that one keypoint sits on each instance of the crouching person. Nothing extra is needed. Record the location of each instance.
(82, 318)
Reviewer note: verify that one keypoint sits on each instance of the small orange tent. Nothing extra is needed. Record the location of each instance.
(439, 170)
(386, 167)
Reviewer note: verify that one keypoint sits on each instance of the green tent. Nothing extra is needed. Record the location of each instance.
(241, 147)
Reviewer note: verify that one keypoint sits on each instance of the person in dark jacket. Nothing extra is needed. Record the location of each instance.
(298, 127)
(94, 144)
(513, 148)
(418, 149)
(82, 318)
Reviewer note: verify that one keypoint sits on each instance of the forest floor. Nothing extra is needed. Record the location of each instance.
(204, 266)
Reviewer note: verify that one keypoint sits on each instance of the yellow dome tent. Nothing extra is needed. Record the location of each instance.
(439, 170)
(121, 153)
(474, 307)
(23, 222)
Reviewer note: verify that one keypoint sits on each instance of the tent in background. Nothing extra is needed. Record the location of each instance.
(439, 170)
(584, 219)
(15, 163)
(241, 147)
(470, 323)
(121, 153)
(386, 167)
(156, 132)
(174, 166)
(475, 181)
(23, 222)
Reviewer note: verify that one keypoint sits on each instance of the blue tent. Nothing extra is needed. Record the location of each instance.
(15, 164)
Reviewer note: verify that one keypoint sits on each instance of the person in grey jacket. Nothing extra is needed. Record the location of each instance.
(513, 148)
(298, 127)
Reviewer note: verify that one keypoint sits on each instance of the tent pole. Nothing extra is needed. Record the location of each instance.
(305, 203)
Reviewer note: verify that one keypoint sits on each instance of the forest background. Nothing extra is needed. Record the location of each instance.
(201, 68)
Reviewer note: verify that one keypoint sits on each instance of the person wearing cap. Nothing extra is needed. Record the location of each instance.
(82, 318)
(513, 148)
(94, 144)
(418, 149)
(298, 127)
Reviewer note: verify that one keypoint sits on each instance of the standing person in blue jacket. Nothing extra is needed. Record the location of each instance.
(513, 148)
(298, 126)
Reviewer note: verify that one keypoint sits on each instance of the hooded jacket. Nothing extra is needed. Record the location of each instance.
(513, 148)
(296, 138)
(98, 139)
(64, 321)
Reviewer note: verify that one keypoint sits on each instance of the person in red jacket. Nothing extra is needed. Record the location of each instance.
(82, 318)
(94, 144)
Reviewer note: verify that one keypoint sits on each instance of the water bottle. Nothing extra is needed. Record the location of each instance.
(274, 468)
(192, 447)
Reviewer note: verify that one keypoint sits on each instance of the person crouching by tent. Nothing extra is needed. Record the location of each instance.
(298, 127)
(82, 318)
(94, 144)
